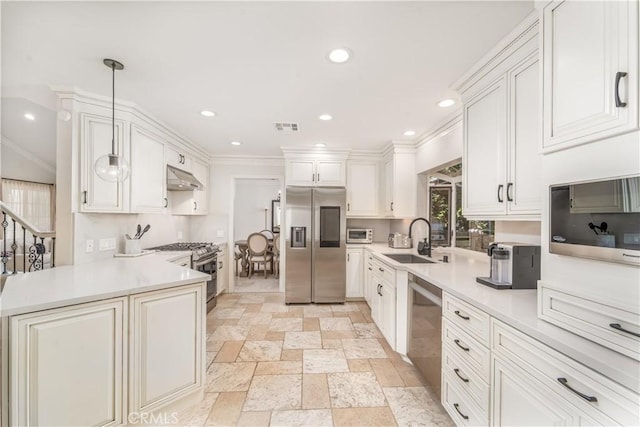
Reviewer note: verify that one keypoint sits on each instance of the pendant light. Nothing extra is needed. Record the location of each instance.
(112, 167)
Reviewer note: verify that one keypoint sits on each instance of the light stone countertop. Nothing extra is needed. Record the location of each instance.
(517, 308)
(76, 284)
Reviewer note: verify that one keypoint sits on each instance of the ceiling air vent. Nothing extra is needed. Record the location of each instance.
(287, 127)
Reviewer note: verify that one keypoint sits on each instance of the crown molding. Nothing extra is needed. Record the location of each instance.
(450, 123)
(101, 101)
(315, 152)
(236, 160)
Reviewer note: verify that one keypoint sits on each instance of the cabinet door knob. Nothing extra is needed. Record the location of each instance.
(85, 196)
(500, 188)
(166, 202)
(619, 103)
(509, 196)
(381, 269)
(565, 383)
(392, 206)
(195, 206)
(348, 207)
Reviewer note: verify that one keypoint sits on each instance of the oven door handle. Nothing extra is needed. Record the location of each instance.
(205, 262)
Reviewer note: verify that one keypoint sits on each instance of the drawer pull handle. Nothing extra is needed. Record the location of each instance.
(381, 269)
(460, 345)
(466, 417)
(617, 327)
(565, 383)
(370, 268)
(461, 316)
(457, 371)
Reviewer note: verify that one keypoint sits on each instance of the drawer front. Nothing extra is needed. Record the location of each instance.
(467, 380)
(467, 317)
(459, 406)
(562, 374)
(388, 274)
(468, 349)
(592, 320)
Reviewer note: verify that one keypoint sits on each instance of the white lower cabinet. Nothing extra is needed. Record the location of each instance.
(368, 277)
(222, 279)
(166, 330)
(383, 300)
(534, 384)
(67, 366)
(95, 363)
(355, 282)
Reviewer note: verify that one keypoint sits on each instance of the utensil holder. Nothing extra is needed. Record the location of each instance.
(132, 246)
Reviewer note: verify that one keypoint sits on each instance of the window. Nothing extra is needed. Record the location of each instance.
(448, 226)
(31, 201)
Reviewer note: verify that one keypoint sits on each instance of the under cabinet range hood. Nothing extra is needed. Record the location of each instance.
(179, 180)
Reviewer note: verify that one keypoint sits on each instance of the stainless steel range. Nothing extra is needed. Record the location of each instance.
(204, 258)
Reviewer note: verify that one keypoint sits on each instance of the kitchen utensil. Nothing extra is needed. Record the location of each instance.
(128, 237)
(146, 228)
(138, 232)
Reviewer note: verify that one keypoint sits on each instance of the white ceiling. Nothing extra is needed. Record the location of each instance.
(259, 63)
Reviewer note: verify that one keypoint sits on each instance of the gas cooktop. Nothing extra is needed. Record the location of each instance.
(199, 249)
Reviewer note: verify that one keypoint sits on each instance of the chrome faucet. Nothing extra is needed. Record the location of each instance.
(428, 246)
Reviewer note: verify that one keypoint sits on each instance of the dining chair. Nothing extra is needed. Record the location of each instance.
(237, 257)
(268, 234)
(258, 252)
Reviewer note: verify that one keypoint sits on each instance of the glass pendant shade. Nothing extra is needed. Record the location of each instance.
(112, 168)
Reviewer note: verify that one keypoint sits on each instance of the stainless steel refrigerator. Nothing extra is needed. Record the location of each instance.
(316, 226)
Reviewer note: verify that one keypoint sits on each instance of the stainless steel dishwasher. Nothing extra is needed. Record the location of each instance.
(425, 327)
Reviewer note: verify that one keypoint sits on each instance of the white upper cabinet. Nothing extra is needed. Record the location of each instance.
(500, 160)
(193, 202)
(148, 172)
(178, 158)
(400, 184)
(590, 77)
(484, 152)
(362, 188)
(98, 195)
(315, 172)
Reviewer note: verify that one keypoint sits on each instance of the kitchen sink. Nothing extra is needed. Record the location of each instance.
(408, 259)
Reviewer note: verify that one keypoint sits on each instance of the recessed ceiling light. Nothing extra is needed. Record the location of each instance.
(340, 55)
(325, 117)
(207, 113)
(235, 143)
(29, 116)
(446, 103)
(409, 133)
(321, 144)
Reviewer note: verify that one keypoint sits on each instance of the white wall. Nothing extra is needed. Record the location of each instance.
(19, 164)
(441, 149)
(165, 228)
(252, 197)
(518, 231)
(213, 227)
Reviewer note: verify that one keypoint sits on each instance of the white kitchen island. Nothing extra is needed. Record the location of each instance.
(108, 343)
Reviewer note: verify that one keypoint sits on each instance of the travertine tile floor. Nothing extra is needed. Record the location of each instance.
(257, 283)
(305, 365)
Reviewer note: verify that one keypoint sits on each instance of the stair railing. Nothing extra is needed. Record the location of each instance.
(33, 256)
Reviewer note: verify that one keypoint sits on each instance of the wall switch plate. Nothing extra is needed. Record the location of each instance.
(220, 233)
(108, 244)
(179, 234)
(89, 247)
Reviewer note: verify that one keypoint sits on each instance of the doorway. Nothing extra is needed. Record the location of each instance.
(256, 209)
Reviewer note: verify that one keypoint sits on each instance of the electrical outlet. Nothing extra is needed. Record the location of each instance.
(179, 234)
(89, 247)
(108, 244)
(220, 233)
(631, 238)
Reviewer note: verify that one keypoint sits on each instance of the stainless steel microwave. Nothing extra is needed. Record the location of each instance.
(359, 235)
(597, 220)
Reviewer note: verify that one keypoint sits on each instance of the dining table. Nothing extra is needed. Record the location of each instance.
(243, 247)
